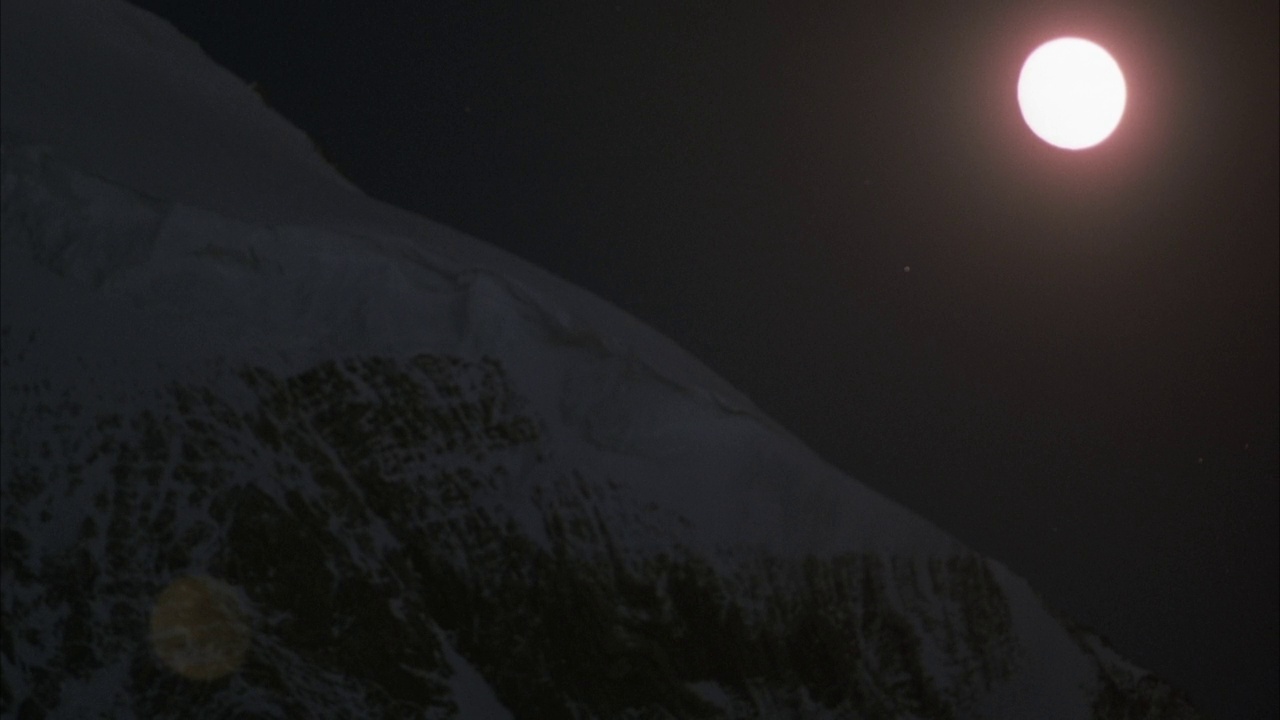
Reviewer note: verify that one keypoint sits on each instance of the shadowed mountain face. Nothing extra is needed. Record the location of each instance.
(269, 469)
(358, 509)
(389, 523)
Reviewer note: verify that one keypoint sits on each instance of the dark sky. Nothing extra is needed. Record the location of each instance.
(1078, 376)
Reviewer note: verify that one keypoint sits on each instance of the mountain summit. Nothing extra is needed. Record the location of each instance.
(274, 449)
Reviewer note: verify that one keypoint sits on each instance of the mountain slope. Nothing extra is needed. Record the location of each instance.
(273, 449)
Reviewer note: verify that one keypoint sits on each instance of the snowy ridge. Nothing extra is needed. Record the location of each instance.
(157, 101)
(253, 167)
(254, 291)
(434, 481)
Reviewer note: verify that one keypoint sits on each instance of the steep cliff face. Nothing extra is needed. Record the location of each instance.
(358, 508)
(608, 544)
(269, 465)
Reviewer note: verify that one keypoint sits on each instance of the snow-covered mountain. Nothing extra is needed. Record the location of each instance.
(274, 449)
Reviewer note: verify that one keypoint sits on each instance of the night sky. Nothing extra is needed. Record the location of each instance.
(1076, 376)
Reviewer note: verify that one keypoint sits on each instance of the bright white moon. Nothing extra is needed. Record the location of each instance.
(1072, 93)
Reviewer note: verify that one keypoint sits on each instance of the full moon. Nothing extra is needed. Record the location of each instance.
(1072, 93)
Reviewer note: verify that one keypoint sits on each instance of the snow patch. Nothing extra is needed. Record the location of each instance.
(475, 697)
